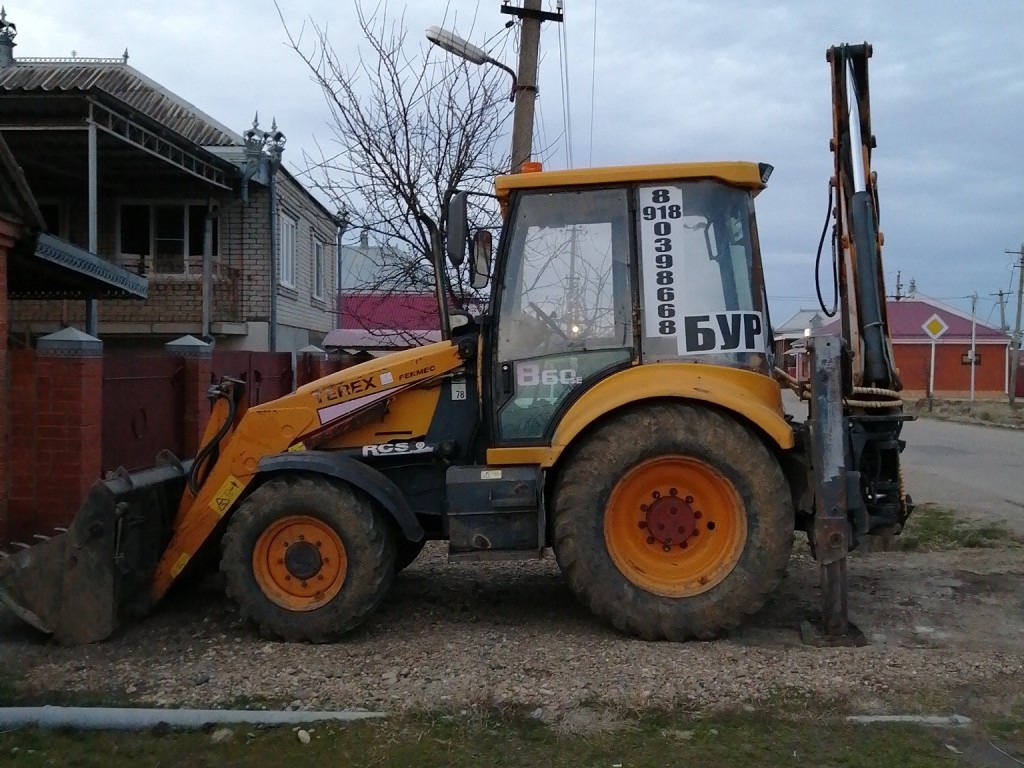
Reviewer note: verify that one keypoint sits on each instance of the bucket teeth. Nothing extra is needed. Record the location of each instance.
(40, 537)
(21, 544)
(61, 530)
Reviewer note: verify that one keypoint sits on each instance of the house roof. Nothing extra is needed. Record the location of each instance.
(43, 266)
(125, 83)
(357, 339)
(393, 312)
(795, 326)
(907, 316)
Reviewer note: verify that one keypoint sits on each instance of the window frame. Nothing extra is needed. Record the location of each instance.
(148, 258)
(319, 267)
(286, 280)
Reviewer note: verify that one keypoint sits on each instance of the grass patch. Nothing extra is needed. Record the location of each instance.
(504, 741)
(933, 528)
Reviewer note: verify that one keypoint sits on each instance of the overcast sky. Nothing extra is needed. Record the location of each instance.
(675, 80)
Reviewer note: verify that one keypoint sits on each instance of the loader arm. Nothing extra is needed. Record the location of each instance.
(308, 417)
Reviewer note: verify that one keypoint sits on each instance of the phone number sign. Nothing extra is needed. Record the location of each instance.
(707, 332)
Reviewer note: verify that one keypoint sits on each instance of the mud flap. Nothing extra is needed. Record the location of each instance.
(74, 585)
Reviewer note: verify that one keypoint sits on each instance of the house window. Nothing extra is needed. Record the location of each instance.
(169, 237)
(287, 252)
(318, 269)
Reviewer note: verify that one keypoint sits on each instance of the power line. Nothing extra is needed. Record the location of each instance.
(563, 59)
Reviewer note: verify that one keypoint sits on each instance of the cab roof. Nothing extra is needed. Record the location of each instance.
(742, 174)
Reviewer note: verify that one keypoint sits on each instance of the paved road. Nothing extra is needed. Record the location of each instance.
(976, 470)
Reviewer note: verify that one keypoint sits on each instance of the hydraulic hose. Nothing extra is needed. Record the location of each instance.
(817, 264)
(207, 450)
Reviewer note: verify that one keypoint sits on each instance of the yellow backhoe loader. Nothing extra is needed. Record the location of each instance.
(618, 402)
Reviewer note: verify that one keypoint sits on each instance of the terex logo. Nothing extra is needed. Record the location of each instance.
(345, 390)
(417, 373)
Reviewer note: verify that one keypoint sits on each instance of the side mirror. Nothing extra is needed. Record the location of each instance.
(481, 267)
(458, 229)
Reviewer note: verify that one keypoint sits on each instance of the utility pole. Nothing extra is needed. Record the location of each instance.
(899, 286)
(974, 326)
(1002, 310)
(1015, 359)
(526, 87)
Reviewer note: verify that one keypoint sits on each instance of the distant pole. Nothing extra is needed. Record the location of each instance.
(1015, 360)
(931, 378)
(974, 325)
(1002, 310)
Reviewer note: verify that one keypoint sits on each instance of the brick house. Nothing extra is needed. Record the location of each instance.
(912, 348)
(127, 169)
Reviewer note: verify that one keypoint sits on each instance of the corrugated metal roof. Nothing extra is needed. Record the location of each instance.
(393, 312)
(124, 83)
(907, 316)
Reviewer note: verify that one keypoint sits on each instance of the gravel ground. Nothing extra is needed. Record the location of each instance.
(943, 628)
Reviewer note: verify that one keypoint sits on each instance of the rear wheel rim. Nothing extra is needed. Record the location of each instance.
(675, 526)
(299, 563)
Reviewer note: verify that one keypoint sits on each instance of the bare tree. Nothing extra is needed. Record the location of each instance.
(411, 125)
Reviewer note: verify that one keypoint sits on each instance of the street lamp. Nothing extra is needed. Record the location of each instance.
(464, 49)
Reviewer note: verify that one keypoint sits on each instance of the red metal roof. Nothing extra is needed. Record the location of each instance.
(396, 312)
(907, 316)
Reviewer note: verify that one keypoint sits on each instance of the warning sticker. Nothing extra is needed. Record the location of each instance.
(226, 495)
(179, 564)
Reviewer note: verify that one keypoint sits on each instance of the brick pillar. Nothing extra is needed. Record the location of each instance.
(312, 363)
(197, 357)
(68, 415)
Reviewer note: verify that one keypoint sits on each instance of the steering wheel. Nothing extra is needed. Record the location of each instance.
(549, 321)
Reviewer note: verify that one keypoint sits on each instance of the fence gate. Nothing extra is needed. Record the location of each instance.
(143, 406)
(267, 375)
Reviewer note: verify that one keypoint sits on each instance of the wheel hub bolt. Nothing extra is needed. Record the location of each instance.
(689, 499)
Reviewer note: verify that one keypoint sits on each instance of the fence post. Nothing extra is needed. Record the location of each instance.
(197, 358)
(69, 425)
(312, 364)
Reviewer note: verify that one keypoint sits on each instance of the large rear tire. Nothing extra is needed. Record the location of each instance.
(672, 521)
(307, 558)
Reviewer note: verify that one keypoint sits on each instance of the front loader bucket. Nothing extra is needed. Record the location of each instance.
(75, 585)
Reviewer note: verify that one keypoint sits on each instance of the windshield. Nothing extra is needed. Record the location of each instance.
(700, 284)
(567, 285)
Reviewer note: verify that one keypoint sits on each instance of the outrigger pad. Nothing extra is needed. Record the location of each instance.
(65, 586)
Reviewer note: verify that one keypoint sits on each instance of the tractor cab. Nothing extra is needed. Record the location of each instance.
(599, 270)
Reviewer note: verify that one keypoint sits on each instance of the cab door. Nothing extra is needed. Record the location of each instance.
(565, 306)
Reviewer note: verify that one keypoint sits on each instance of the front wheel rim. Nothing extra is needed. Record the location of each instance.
(675, 526)
(299, 563)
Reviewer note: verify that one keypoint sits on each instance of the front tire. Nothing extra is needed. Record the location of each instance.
(673, 521)
(307, 558)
